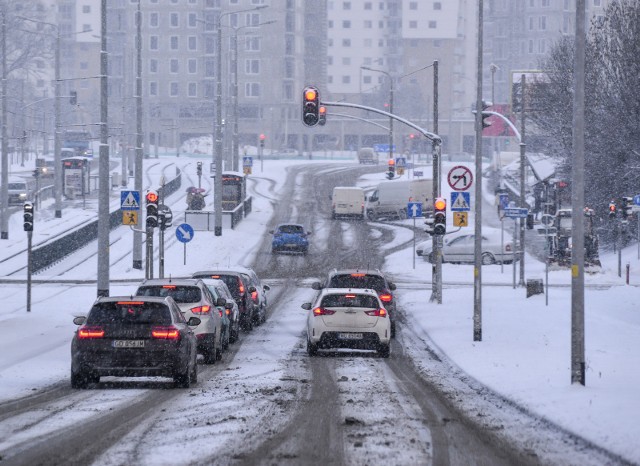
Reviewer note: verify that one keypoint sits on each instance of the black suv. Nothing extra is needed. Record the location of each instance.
(371, 279)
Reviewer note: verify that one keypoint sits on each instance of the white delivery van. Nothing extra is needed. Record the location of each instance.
(390, 198)
(347, 201)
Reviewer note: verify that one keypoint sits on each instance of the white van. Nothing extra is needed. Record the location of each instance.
(19, 190)
(347, 201)
(390, 198)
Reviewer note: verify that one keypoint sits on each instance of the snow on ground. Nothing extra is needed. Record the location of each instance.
(524, 354)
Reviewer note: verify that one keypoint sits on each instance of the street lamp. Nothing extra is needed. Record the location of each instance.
(390, 105)
(234, 95)
(218, 123)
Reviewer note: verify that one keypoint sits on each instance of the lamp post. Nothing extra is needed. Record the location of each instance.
(234, 94)
(390, 105)
(217, 191)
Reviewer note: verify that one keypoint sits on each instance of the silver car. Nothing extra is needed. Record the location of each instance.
(460, 248)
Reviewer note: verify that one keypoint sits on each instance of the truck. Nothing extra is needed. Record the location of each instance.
(390, 198)
(366, 155)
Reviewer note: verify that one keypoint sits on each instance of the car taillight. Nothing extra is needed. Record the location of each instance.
(228, 311)
(254, 295)
(382, 312)
(386, 297)
(240, 286)
(87, 333)
(165, 333)
(320, 311)
(201, 309)
(220, 312)
(507, 247)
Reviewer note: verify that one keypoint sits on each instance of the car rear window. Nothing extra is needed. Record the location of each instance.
(291, 229)
(230, 280)
(180, 294)
(129, 312)
(349, 300)
(357, 280)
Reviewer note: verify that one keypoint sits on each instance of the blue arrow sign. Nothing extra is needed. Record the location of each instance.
(414, 209)
(129, 200)
(636, 199)
(184, 232)
(504, 200)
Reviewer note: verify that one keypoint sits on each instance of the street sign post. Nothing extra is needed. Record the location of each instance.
(414, 209)
(184, 234)
(516, 212)
(460, 178)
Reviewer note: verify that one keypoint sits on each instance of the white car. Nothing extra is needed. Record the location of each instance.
(194, 300)
(461, 247)
(348, 318)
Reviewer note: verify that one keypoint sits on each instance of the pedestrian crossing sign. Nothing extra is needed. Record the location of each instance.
(129, 200)
(129, 217)
(460, 219)
(460, 201)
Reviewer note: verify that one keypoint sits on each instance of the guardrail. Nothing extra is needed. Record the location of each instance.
(48, 254)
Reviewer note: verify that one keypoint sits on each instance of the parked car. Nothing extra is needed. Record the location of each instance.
(228, 309)
(239, 283)
(460, 248)
(134, 337)
(348, 318)
(195, 300)
(369, 279)
(290, 237)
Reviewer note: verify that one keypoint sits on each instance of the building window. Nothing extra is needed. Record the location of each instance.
(192, 65)
(209, 68)
(174, 20)
(330, 24)
(153, 42)
(542, 23)
(346, 79)
(346, 42)
(346, 5)
(153, 88)
(86, 9)
(329, 79)
(413, 5)
(413, 24)
(252, 90)
(367, 6)
(173, 42)
(193, 43)
(433, 24)
(192, 20)
(531, 24)
(368, 24)
(346, 61)
(154, 20)
(252, 44)
(252, 66)
(84, 65)
(346, 24)
(173, 65)
(193, 90)
(153, 65)
(173, 89)
(437, 6)
(366, 79)
(252, 19)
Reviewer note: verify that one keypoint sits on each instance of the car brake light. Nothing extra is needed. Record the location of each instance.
(220, 312)
(240, 286)
(254, 295)
(130, 303)
(169, 286)
(201, 309)
(386, 297)
(320, 311)
(382, 312)
(87, 333)
(215, 276)
(228, 311)
(165, 333)
(357, 275)
(349, 296)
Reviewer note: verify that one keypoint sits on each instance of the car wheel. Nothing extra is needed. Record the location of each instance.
(384, 351)
(209, 352)
(183, 380)
(79, 380)
(219, 353)
(226, 340)
(247, 325)
(312, 349)
(235, 331)
(371, 216)
(194, 373)
(393, 329)
(402, 214)
(488, 259)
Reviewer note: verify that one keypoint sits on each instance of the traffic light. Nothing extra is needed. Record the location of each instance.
(165, 218)
(199, 169)
(152, 209)
(627, 205)
(322, 115)
(262, 138)
(612, 210)
(73, 97)
(28, 216)
(36, 172)
(484, 117)
(440, 216)
(310, 106)
(392, 169)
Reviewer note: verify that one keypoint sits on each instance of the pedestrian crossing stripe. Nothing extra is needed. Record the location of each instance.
(460, 201)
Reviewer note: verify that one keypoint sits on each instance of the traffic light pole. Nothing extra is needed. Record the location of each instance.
(29, 269)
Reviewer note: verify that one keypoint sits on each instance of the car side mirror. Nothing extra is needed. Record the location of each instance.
(271, 231)
(316, 285)
(228, 305)
(306, 306)
(79, 320)
(193, 321)
(309, 232)
(392, 286)
(252, 289)
(266, 287)
(221, 302)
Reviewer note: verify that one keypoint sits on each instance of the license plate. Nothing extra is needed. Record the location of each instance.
(350, 336)
(128, 344)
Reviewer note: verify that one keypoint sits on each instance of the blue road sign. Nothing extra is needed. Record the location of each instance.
(247, 161)
(516, 212)
(418, 173)
(414, 209)
(504, 200)
(636, 199)
(401, 162)
(383, 147)
(184, 232)
(460, 201)
(129, 200)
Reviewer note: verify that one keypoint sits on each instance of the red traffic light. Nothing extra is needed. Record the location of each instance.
(262, 137)
(152, 196)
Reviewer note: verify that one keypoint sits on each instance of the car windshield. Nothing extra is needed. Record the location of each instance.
(291, 229)
(180, 294)
(349, 300)
(129, 312)
(16, 186)
(357, 280)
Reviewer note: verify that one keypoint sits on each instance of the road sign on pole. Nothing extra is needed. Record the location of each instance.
(516, 212)
(414, 209)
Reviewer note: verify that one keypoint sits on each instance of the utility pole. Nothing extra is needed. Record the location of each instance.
(4, 189)
(577, 205)
(523, 169)
(436, 268)
(477, 271)
(137, 231)
(57, 140)
(103, 182)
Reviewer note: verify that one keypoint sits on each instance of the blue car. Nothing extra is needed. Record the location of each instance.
(290, 237)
